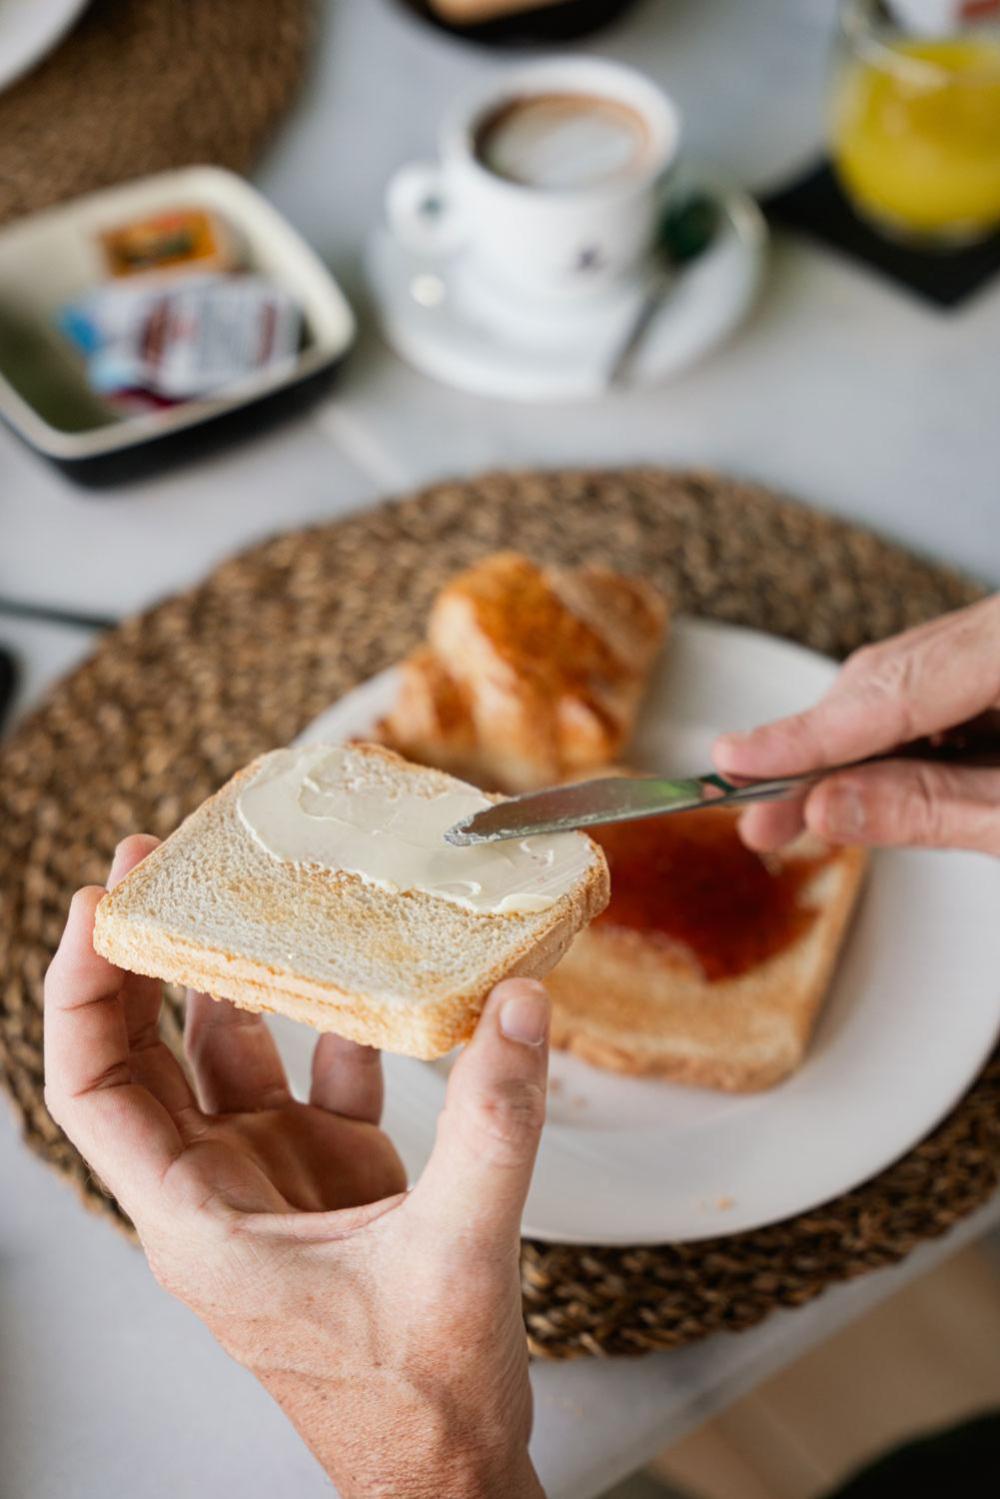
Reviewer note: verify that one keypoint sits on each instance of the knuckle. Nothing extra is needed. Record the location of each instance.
(892, 675)
(117, 1074)
(890, 679)
(919, 814)
(857, 662)
(508, 1119)
(839, 809)
(863, 662)
(799, 729)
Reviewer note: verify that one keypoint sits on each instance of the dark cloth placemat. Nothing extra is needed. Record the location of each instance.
(141, 85)
(175, 700)
(816, 205)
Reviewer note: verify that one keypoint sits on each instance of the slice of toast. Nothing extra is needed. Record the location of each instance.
(529, 674)
(405, 970)
(685, 1002)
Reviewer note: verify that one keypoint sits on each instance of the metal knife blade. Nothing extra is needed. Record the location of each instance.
(587, 804)
(612, 799)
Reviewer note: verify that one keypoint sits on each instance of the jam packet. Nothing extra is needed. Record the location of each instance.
(183, 239)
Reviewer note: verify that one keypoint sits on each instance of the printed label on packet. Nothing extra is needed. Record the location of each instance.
(183, 339)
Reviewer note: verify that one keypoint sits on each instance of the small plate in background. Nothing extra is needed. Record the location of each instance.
(445, 319)
(50, 258)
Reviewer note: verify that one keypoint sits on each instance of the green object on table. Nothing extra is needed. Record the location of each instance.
(686, 230)
(688, 227)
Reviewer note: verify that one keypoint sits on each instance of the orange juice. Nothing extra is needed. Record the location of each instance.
(916, 134)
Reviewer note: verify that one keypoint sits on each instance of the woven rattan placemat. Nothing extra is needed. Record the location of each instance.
(175, 700)
(141, 85)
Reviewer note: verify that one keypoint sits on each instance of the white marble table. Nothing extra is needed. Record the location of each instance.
(838, 389)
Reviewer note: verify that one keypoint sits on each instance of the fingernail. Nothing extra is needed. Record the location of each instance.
(524, 1016)
(845, 812)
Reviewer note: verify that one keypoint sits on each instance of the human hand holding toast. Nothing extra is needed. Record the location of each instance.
(386, 1324)
(923, 682)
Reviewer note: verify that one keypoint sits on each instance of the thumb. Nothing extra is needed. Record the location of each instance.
(477, 1178)
(907, 802)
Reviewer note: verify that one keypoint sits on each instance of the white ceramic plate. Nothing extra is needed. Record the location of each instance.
(913, 1013)
(445, 320)
(28, 30)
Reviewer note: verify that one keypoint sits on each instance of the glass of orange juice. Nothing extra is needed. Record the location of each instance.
(915, 116)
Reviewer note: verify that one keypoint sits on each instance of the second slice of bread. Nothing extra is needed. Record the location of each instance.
(405, 971)
(625, 1001)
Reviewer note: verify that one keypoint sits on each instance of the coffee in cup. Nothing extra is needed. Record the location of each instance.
(563, 141)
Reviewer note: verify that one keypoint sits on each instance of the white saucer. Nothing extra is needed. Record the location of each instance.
(444, 318)
(912, 1014)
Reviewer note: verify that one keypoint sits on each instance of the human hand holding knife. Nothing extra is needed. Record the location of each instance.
(844, 772)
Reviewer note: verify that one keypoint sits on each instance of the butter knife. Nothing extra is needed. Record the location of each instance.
(588, 804)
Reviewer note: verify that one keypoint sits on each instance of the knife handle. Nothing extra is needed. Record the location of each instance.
(975, 743)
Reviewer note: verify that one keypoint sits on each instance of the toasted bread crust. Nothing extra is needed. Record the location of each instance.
(618, 1004)
(131, 932)
(426, 1031)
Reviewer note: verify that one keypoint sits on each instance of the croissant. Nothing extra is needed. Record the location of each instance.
(530, 674)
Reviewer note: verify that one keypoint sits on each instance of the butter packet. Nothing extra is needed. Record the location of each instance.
(181, 339)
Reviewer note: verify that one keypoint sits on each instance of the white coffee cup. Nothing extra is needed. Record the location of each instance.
(564, 241)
